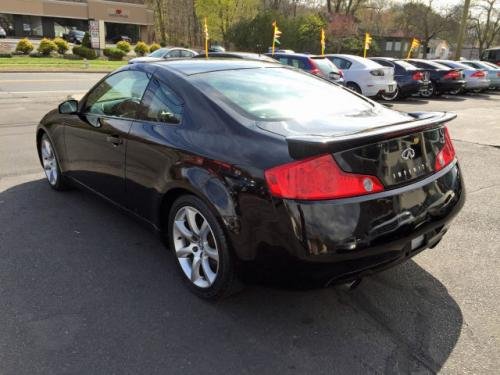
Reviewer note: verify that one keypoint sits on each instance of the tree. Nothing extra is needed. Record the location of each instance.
(486, 23)
(160, 8)
(222, 14)
(424, 22)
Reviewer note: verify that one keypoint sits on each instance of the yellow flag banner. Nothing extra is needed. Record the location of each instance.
(205, 30)
(323, 42)
(368, 41)
(276, 35)
(415, 43)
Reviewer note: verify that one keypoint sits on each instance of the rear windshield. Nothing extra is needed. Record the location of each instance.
(277, 93)
(158, 53)
(405, 65)
(325, 65)
(432, 64)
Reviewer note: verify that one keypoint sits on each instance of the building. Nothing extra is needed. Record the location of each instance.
(106, 20)
(437, 49)
(393, 46)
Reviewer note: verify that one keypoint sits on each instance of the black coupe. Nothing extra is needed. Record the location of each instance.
(238, 160)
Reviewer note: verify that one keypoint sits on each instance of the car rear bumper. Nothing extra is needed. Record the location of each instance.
(373, 89)
(450, 85)
(412, 87)
(343, 239)
(477, 84)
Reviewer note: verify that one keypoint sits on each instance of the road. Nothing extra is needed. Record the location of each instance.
(85, 289)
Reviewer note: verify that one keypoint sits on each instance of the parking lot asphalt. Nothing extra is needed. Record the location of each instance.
(85, 289)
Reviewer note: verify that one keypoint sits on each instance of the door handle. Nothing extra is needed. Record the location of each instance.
(114, 139)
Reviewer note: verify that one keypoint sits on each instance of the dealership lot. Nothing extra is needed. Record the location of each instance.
(85, 288)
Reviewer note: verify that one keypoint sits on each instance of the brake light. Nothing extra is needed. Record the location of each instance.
(478, 74)
(377, 72)
(318, 178)
(447, 153)
(418, 76)
(341, 73)
(453, 74)
(314, 68)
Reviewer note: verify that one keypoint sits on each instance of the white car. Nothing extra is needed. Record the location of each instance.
(365, 76)
(166, 53)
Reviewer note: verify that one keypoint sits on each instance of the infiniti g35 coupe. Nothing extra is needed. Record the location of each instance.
(236, 160)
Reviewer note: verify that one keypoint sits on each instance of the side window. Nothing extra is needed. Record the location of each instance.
(174, 54)
(342, 63)
(383, 63)
(185, 53)
(297, 63)
(160, 104)
(118, 95)
(283, 60)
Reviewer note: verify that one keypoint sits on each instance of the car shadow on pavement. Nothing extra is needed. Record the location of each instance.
(85, 288)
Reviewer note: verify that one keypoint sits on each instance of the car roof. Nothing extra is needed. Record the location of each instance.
(198, 66)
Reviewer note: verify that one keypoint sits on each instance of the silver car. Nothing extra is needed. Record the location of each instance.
(3, 34)
(475, 79)
(492, 70)
(166, 53)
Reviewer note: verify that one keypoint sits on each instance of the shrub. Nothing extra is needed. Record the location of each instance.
(46, 47)
(62, 45)
(124, 46)
(86, 41)
(114, 53)
(86, 53)
(5, 54)
(141, 49)
(24, 46)
(153, 47)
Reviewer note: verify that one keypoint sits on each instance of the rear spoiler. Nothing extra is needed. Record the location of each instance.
(301, 147)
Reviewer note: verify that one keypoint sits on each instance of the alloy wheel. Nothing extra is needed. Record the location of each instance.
(49, 162)
(195, 247)
(390, 96)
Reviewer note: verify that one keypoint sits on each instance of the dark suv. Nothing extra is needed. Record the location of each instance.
(317, 65)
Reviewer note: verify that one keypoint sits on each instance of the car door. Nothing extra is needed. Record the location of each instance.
(173, 54)
(150, 151)
(186, 53)
(96, 140)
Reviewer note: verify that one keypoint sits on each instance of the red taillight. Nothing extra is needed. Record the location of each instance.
(478, 74)
(315, 71)
(447, 153)
(314, 68)
(341, 73)
(318, 178)
(452, 75)
(418, 76)
(498, 74)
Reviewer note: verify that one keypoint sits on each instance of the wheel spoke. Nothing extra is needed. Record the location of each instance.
(211, 253)
(204, 231)
(184, 252)
(191, 219)
(195, 269)
(207, 270)
(184, 231)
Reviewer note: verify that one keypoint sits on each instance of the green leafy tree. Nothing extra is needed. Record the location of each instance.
(86, 41)
(221, 15)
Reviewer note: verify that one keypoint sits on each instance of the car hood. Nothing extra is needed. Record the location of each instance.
(144, 59)
(337, 125)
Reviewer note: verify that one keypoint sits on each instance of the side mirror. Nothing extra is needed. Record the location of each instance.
(69, 107)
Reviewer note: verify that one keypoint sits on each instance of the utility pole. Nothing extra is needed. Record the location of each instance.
(461, 32)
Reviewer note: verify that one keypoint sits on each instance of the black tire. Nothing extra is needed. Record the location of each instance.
(60, 182)
(354, 87)
(430, 92)
(225, 282)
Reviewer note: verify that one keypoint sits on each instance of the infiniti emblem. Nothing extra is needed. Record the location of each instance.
(408, 153)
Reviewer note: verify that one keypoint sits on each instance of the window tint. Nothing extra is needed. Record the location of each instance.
(277, 93)
(118, 95)
(185, 53)
(175, 53)
(297, 63)
(160, 104)
(342, 63)
(283, 60)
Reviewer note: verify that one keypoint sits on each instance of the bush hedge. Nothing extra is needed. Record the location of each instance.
(5, 54)
(86, 41)
(153, 47)
(86, 53)
(62, 45)
(114, 53)
(124, 46)
(46, 47)
(141, 49)
(24, 46)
